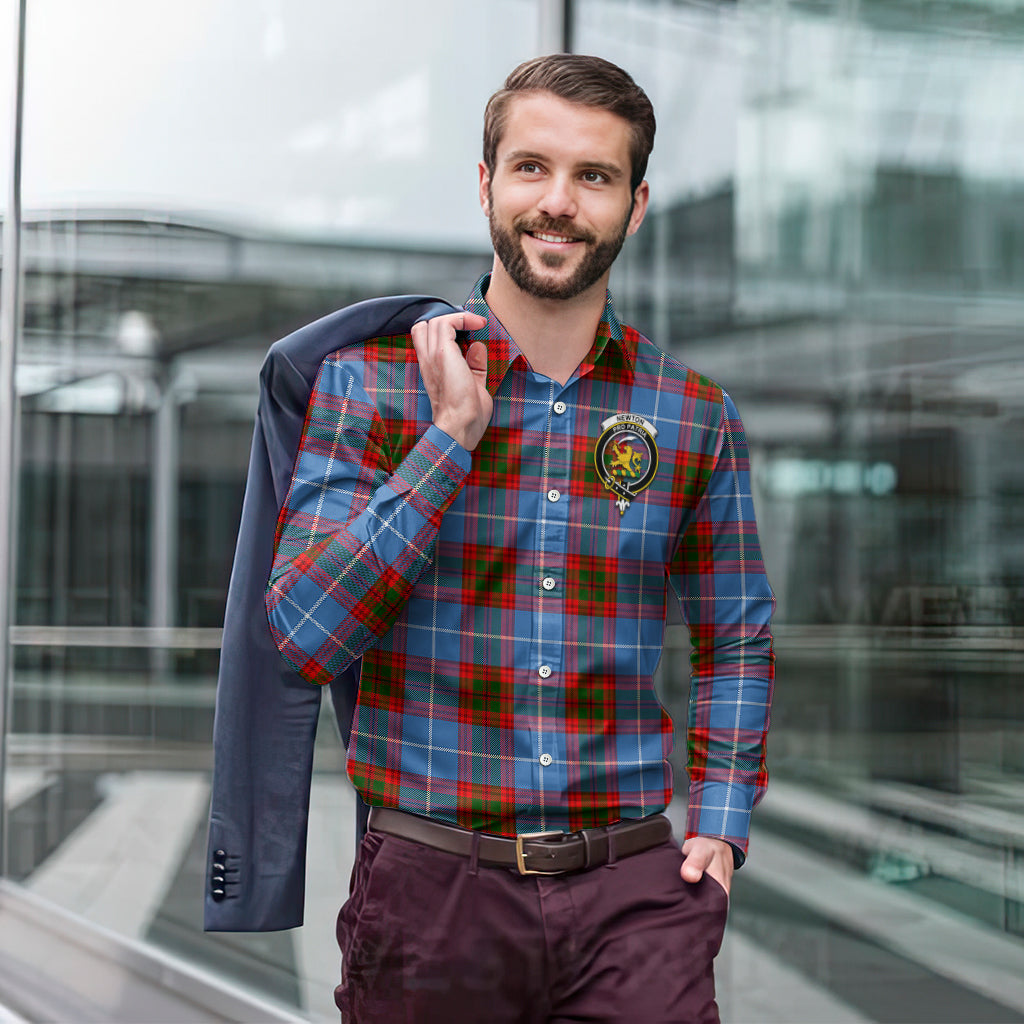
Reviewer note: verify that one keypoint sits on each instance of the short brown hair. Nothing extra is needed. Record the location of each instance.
(577, 78)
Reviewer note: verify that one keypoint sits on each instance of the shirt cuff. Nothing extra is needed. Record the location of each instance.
(721, 810)
(432, 474)
(452, 449)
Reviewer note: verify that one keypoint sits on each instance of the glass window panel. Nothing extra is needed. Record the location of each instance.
(8, 23)
(835, 236)
(8, 55)
(326, 118)
(200, 179)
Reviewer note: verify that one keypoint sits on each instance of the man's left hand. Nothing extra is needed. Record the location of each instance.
(711, 855)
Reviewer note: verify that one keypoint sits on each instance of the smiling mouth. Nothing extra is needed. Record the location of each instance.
(547, 237)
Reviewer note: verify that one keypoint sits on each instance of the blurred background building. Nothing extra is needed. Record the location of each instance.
(836, 235)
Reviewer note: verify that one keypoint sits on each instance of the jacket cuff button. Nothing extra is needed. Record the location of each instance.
(218, 895)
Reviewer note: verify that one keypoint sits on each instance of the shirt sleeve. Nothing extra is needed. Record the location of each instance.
(355, 531)
(727, 604)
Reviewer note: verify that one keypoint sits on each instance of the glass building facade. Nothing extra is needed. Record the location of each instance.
(836, 235)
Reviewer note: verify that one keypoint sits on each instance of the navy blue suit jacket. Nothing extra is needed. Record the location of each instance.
(266, 714)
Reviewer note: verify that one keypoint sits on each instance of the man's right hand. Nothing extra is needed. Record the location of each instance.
(456, 384)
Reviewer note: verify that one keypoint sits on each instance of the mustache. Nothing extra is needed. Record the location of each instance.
(552, 226)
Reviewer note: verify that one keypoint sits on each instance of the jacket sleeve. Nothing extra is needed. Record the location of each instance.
(356, 530)
(727, 604)
(263, 734)
(267, 714)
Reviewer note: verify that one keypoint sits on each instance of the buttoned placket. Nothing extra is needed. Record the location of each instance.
(554, 507)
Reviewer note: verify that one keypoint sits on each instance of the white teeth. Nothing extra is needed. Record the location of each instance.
(551, 238)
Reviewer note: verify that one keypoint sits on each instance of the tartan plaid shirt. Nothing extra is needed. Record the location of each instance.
(509, 617)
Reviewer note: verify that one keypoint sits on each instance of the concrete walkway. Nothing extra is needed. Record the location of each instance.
(792, 909)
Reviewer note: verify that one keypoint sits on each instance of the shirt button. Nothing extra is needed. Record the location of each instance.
(554, 495)
(559, 407)
(545, 759)
(548, 583)
(544, 671)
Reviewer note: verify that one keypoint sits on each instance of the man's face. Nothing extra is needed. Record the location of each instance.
(559, 203)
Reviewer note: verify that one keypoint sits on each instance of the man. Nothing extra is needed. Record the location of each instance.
(493, 523)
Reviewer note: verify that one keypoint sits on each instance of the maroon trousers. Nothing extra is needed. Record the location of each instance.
(429, 937)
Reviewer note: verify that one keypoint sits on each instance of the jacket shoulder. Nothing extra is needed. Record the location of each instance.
(370, 318)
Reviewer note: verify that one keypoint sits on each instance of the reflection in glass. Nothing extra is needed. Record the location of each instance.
(201, 178)
(837, 238)
(836, 235)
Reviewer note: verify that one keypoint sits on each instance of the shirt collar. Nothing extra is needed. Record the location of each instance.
(502, 351)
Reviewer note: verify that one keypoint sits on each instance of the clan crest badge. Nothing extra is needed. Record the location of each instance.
(626, 457)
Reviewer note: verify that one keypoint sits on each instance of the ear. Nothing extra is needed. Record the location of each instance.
(640, 199)
(485, 182)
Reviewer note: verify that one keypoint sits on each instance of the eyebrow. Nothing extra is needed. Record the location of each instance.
(613, 171)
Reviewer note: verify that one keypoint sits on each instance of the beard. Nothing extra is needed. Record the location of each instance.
(599, 255)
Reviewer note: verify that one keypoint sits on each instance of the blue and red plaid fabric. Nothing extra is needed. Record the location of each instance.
(509, 616)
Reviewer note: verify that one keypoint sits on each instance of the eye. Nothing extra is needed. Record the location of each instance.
(594, 177)
(529, 167)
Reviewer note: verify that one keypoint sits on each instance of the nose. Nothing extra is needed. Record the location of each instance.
(559, 198)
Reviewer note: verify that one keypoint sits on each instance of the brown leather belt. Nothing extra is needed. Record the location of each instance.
(534, 853)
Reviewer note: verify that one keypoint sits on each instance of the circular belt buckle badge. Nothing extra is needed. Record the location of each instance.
(626, 457)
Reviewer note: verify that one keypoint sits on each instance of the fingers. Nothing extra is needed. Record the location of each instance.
(477, 357)
(435, 340)
(432, 338)
(702, 854)
(696, 863)
(461, 320)
(447, 325)
(455, 384)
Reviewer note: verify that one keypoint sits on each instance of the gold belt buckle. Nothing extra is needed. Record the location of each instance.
(520, 855)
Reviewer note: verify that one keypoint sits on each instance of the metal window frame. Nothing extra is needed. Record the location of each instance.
(10, 326)
(555, 19)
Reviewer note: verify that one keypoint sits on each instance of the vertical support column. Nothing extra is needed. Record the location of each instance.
(663, 290)
(163, 546)
(10, 320)
(554, 26)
